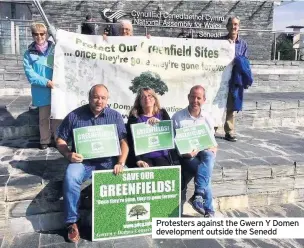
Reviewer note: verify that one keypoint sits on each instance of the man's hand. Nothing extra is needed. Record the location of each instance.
(141, 163)
(50, 84)
(105, 37)
(148, 36)
(231, 41)
(74, 157)
(153, 121)
(191, 154)
(118, 168)
(213, 149)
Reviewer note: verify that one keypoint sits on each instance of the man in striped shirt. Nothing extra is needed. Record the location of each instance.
(79, 170)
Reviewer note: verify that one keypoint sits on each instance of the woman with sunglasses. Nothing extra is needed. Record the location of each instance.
(38, 67)
(147, 109)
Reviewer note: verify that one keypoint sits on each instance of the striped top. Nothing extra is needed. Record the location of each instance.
(83, 117)
(241, 48)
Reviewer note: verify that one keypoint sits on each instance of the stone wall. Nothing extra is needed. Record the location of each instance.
(256, 15)
(277, 76)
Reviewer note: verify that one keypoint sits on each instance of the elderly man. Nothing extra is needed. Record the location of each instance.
(198, 163)
(79, 170)
(126, 28)
(233, 26)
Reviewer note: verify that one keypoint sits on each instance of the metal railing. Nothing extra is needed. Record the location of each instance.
(15, 37)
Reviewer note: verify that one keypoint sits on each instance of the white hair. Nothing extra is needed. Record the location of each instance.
(128, 22)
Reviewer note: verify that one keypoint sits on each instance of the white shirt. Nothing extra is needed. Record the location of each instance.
(183, 118)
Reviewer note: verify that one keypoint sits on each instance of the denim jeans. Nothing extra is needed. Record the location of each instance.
(201, 168)
(75, 175)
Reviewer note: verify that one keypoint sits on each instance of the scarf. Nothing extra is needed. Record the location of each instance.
(42, 48)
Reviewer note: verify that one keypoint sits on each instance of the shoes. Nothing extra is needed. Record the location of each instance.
(209, 215)
(73, 233)
(231, 138)
(197, 202)
(43, 146)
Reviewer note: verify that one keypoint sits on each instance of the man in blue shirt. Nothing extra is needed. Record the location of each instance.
(79, 170)
(233, 26)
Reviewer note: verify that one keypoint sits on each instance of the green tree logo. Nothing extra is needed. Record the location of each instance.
(137, 211)
(151, 80)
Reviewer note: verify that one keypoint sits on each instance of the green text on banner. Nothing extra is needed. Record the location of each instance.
(124, 205)
(197, 137)
(97, 141)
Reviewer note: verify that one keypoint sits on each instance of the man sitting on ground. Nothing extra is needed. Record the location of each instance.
(79, 170)
(198, 163)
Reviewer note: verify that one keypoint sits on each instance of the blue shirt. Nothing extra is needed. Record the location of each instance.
(83, 117)
(241, 47)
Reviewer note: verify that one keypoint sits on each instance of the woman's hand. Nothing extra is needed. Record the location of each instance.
(50, 84)
(141, 163)
(153, 120)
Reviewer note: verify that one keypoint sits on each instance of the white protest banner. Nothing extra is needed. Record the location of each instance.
(170, 66)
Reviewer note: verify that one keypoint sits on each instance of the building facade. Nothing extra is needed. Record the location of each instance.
(198, 19)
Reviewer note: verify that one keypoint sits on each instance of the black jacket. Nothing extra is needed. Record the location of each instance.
(88, 28)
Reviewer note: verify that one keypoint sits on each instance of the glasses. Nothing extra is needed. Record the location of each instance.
(147, 96)
(38, 34)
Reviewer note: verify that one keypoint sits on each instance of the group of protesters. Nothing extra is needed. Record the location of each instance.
(146, 109)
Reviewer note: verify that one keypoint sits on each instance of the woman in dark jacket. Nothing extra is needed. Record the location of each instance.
(146, 109)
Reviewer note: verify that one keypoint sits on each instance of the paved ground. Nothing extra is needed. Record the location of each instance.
(57, 238)
(20, 159)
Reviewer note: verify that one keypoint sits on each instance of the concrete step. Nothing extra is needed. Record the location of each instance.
(276, 67)
(291, 82)
(265, 167)
(17, 117)
(272, 110)
(20, 119)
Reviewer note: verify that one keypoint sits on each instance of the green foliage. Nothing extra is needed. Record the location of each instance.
(285, 47)
(151, 80)
(137, 210)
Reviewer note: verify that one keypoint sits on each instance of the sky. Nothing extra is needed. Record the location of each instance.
(289, 13)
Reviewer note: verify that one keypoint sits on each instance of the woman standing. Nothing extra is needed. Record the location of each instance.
(147, 109)
(38, 67)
